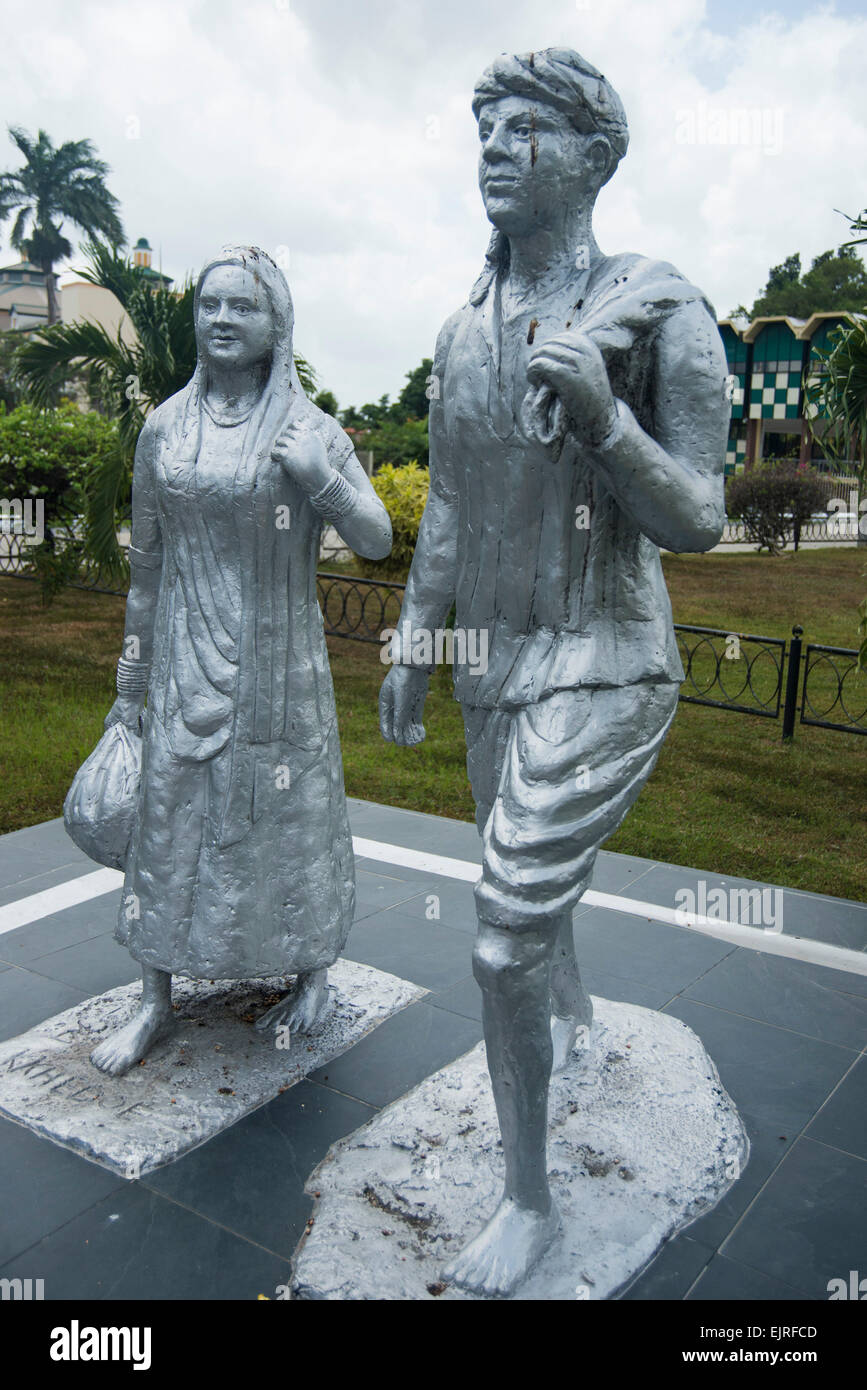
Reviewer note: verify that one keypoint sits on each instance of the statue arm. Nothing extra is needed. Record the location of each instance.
(145, 565)
(431, 584)
(672, 483)
(366, 526)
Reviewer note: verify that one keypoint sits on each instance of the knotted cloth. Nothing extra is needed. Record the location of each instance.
(561, 78)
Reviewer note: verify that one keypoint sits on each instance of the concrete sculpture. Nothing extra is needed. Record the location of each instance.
(240, 861)
(579, 425)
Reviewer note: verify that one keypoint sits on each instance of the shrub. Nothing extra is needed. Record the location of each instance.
(774, 500)
(396, 442)
(403, 492)
(49, 454)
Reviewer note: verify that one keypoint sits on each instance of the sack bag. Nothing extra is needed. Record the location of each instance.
(100, 806)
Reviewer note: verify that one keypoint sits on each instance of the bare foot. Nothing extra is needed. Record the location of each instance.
(124, 1048)
(501, 1256)
(302, 1007)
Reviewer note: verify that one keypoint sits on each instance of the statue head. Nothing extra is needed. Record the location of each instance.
(242, 309)
(552, 132)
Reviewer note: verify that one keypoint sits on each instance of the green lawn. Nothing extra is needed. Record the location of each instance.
(727, 795)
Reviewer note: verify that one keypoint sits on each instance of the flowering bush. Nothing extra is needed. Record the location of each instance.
(49, 454)
(403, 492)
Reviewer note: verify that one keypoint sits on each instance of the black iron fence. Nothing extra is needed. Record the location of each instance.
(358, 608)
(833, 684)
(731, 670)
(737, 671)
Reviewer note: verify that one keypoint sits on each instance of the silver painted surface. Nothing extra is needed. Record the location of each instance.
(213, 1067)
(240, 862)
(579, 424)
(642, 1139)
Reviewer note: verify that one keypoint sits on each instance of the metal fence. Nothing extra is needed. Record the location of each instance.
(732, 670)
(827, 530)
(737, 671)
(833, 684)
(358, 608)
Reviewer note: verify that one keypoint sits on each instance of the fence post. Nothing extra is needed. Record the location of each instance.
(791, 705)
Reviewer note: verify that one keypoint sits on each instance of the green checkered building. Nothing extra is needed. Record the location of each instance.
(769, 361)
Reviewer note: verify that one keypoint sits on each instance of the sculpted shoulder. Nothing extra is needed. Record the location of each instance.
(445, 338)
(160, 418)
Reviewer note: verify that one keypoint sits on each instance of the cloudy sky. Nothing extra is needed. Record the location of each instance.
(338, 135)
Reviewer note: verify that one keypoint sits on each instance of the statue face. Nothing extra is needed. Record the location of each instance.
(234, 324)
(533, 164)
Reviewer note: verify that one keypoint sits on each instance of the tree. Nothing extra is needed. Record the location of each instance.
(856, 224)
(413, 401)
(125, 380)
(10, 388)
(835, 280)
(327, 401)
(56, 185)
(837, 394)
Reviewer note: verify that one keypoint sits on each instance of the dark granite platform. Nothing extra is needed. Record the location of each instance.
(788, 1039)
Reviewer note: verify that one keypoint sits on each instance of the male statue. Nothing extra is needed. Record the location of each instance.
(578, 424)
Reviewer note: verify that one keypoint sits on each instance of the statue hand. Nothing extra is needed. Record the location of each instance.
(125, 710)
(401, 703)
(574, 369)
(303, 455)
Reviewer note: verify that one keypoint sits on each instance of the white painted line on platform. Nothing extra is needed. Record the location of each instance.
(416, 859)
(81, 890)
(51, 900)
(753, 938)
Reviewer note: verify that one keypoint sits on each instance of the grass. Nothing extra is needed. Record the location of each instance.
(727, 795)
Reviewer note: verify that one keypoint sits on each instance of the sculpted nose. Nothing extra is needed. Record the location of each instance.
(494, 148)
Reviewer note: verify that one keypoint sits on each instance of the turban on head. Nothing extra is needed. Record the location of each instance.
(561, 78)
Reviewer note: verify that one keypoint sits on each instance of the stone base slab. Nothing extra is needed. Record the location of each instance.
(642, 1139)
(210, 1071)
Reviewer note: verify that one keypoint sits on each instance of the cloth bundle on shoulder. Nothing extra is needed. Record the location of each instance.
(100, 806)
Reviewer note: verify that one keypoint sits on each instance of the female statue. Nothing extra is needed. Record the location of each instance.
(240, 863)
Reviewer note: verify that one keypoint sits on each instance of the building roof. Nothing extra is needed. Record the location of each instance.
(815, 320)
(24, 268)
(737, 326)
(758, 324)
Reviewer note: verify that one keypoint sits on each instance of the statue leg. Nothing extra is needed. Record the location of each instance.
(128, 1045)
(302, 1007)
(571, 1006)
(513, 969)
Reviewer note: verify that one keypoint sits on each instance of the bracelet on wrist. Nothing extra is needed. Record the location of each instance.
(335, 499)
(132, 678)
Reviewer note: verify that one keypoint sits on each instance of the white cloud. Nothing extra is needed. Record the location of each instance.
(343, 131)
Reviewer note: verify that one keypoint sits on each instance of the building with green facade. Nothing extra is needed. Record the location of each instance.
(769, 361)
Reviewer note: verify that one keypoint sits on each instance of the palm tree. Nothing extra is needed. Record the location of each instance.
(125, 380)
(56, 185)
